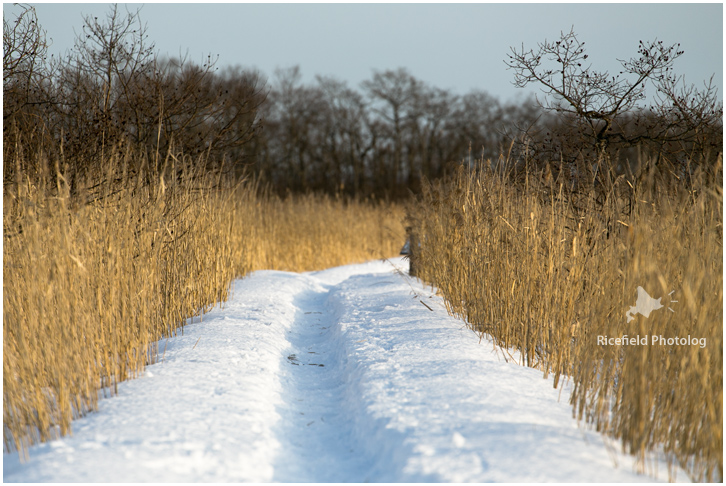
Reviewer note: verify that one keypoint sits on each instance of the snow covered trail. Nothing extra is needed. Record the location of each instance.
(315, 432)
(351, 374)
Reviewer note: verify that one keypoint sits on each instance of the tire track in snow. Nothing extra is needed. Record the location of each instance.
(315, 431)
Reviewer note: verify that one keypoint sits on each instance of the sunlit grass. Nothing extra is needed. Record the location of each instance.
(92, 281)
(547, 272)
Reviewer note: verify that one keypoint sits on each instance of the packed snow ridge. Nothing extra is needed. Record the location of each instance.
(351, 374)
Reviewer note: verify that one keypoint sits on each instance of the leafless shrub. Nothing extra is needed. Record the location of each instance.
(602, 117)
(110, 90)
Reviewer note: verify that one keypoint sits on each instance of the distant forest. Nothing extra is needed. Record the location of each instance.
(380, 140)
(112, 92)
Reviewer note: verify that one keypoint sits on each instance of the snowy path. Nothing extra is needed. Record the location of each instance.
(351, 374)
(317, 444)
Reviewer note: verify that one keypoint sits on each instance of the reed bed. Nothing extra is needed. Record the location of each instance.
(92, 280)
(552, 273)
(315, 232)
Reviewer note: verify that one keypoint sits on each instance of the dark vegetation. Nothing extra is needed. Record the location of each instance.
(382, 140)
(603, 126)
(113, 90)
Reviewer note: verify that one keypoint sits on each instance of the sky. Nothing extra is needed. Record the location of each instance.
(459, 47)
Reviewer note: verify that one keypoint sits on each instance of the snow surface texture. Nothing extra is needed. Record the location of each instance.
(342, 375)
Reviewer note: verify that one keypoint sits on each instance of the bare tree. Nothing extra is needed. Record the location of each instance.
(26, 91)
(24, 52)
(607, 112)
(111, 91)
(294, 117)
(99, 91)
(194, 109)
(347, 140)
(393, 94)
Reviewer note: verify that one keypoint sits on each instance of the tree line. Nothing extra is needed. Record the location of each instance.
(380, 140)
(112, 91)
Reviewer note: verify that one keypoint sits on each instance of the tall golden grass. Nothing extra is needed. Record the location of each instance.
(315, 232)
(91, 281)
(547, 271)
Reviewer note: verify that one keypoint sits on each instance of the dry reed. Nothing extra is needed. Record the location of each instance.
(92, 281)
(315, 232)
(553, 273)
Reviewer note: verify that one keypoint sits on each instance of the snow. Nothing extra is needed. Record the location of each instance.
(351, 374)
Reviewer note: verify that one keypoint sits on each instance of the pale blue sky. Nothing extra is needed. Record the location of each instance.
(455, 46)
